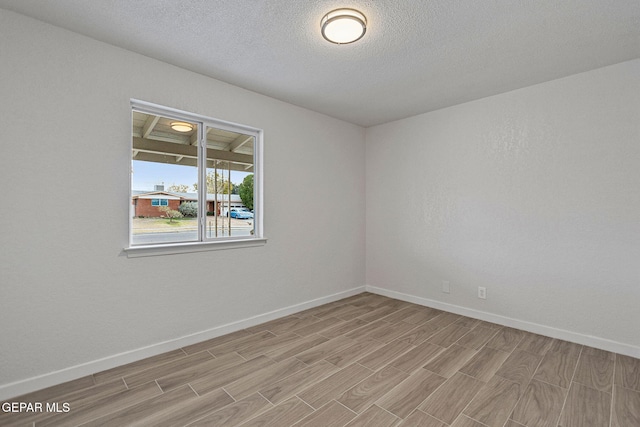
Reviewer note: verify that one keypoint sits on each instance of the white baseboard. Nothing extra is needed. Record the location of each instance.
(591, 341)
(29, 385)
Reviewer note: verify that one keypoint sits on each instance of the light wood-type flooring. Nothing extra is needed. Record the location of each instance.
(367, 361)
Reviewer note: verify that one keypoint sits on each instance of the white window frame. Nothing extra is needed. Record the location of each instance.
(204, 243)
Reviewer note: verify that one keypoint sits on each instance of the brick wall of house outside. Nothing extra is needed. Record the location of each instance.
(144, 208)
(211, 206)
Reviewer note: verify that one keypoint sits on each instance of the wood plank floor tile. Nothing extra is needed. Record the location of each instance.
(195, 409)
(205, 345)
(450, 360)
(595, 372)
(140, 365)
(408, 395)
(367, 329)
(464, 421)
(422, 315)
(363, 394)
(235, 413)
(336, 310)
(389, 332)
(628, 372)
(209, 367)
(534, 343)
(420, 334)
(295, 348)
(396, 303)
(557, 368)
(57, 390)
(326, 349)
(377, 314)
(106, 405)
(596, 352)
(506, 339)
(365, 360)
(331, 414)
(318, 326)
(374, 417)
(382, 300)
(216, 380)
(365, 298)
(626, 408)
(354, 352)
(420, 419)
(540, 405)
(448, 401)
(142, 377)
(285, 324)
(417, 357)
(402, 315)
(20, 419)
(76, 399)
(242, 344)
(285, 414)
(490, 325)
(88, 396)
(565, 347)
(477, 337)
(343, 328)
(333, 386)
(278, 391)
(494, 402)
(585, 407)
(484, 364)
(448, 335)
(292, 324)
(289, 322)
(467, 322)
(384, 355)
(355, 312)
(177, 407)
(271, 344)
(444, 319)
(519, 367)
(251, 383)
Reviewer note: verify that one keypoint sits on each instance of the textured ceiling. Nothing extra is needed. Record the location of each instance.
(417, 55)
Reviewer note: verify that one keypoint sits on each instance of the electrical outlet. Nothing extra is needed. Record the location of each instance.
(445, 287)
(482, 292)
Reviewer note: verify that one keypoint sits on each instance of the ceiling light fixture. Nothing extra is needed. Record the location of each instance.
(181, 126)
(342, 26)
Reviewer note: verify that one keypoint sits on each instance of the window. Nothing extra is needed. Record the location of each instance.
(159, 202)
(187, 173)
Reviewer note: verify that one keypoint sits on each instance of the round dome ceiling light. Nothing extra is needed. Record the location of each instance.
(342, 26)
(181, 126)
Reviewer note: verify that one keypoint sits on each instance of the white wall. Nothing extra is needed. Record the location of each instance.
(69, 296)
(534, 194)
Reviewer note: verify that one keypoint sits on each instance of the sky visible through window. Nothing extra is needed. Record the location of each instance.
(148, 174)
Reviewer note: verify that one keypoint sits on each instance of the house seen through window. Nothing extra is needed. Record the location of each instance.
(192, 178)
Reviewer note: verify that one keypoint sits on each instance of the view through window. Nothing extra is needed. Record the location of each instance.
(191, 180)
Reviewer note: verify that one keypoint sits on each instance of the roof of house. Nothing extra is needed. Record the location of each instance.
(185, 196)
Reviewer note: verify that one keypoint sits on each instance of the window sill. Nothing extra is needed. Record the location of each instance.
(183, 248)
